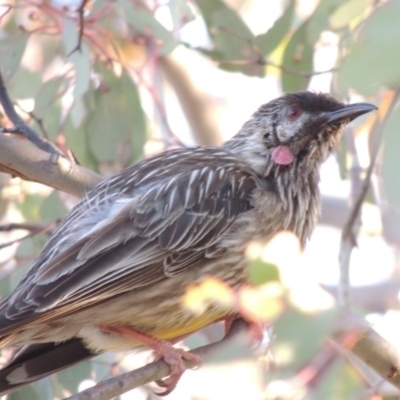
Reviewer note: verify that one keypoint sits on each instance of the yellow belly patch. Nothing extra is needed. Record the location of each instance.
(194, 325)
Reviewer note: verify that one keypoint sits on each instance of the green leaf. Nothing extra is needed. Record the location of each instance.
(70, 35)
(24, 83)
(116, 126)
(298, 57)
(28, 392)
(261, 272)
(44, 389)
(5, 286)
(144, 22)
(77, 141)
(48, 106)
(47, 94)
(346, 13)
(319, 20)
(271, 39)
(30, 207)
(181, 13)
(299, 336)
(12, 49)
(372, 60)
(234, 43)
(81, 61)
(52, 208)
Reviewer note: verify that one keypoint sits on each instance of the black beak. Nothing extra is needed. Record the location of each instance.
(349, 111)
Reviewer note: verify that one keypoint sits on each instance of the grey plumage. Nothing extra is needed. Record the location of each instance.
(125, 254)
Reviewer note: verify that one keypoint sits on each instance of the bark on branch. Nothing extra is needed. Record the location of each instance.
(113, 387)
(19, 157)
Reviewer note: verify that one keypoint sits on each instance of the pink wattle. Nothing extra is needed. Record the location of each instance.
(282, 155)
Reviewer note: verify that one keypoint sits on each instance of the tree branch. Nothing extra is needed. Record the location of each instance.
(19, 125)
(19, 157)
(362, 340)
(116, 386)
(33, 232)
(375, 351)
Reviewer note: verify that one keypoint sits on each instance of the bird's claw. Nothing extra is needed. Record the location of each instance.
(175, 359)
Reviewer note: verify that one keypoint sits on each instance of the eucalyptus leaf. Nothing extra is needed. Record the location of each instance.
(52, 208)
(372, 59)
(319, 21)
(14, 47)
(181, 13)
(70, 35)
(298, 57)
(5, 286)
(24, 83)
(47, 94)
(27, 392)
(235, 46)
(116, 126)
(81, 61)
(77, 141)
(349, 11)
(48, 106)
(145, 23)
(268, 41)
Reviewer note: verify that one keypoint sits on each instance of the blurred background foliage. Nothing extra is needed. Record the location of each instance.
(111, 82)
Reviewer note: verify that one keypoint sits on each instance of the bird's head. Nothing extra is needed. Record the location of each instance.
(297, 128)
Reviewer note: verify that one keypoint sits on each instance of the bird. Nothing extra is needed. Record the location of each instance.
(112, 275)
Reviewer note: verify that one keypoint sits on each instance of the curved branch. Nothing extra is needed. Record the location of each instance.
(382, 356)
(154, 371)
(19, 157)
(363, 341)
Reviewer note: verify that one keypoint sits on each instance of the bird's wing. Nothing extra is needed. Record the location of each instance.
(167, 223)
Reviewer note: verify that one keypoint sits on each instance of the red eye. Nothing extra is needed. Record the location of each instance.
(294, 112)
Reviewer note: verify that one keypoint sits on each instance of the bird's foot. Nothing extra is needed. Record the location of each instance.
(173, 357)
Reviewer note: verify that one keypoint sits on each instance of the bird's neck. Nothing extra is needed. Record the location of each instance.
(294, 186)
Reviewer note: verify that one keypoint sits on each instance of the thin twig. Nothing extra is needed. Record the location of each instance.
(261, 60)
(356, 187)
(151, 372)
(26, 226)
(81, 17)
(348, 240)
(19, 125)
(38, 120)
(280, 67)
(45, 229)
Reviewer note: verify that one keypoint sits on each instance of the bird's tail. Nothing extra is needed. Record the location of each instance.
(37, 361)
